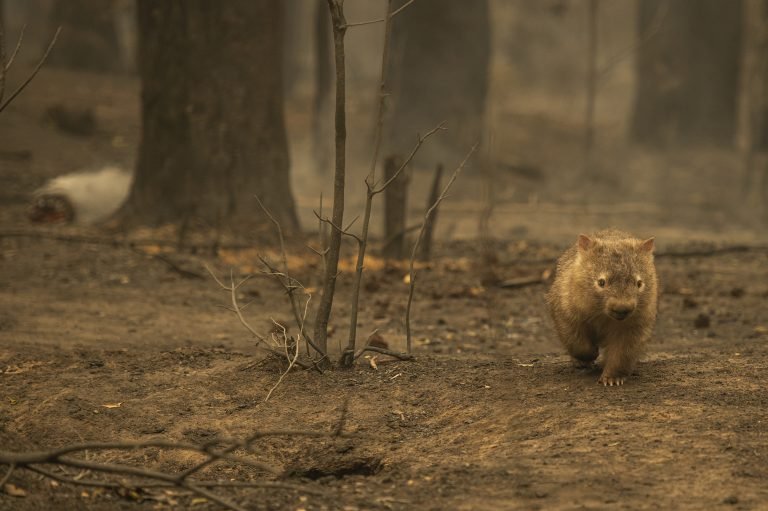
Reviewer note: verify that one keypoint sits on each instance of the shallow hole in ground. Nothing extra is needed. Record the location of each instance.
(338, 468)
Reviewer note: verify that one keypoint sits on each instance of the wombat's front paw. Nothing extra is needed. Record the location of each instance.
(610, 381)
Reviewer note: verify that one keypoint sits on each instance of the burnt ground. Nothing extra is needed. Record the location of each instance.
(103, 343)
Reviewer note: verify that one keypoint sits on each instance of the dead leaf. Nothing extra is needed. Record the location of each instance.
(198, 501)
(373, 362)
(14, 491)
(112, 405)
(761, 329)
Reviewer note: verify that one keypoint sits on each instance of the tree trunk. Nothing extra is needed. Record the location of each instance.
(212, 108)
(89, 38)
(440, 51)
(322, 108)
(688, 72)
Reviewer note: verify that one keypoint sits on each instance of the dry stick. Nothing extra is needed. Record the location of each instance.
(279, 233)
(237, 309)
(425, 253)
(11, 468)
(411, 271)
(15, 50)
(334, 245)
(291, 361)
(387, 19)
(287, 285)
(34, 72)
(203, 484)
(290, 284)
(348, 356)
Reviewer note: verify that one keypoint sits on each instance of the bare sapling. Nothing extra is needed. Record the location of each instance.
(411, 270)
(320, 334)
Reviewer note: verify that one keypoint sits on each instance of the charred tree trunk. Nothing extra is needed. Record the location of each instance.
(688, 73)
(395, 210)
(440, 52)
(212, 109)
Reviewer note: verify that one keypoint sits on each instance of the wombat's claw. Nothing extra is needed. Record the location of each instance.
(610, 381)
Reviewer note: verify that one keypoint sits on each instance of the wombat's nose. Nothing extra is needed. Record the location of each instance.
(621, 311)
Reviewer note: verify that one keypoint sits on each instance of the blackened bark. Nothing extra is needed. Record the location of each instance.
(439, 57)
(688, 72)
(212, 109)
(395, 209)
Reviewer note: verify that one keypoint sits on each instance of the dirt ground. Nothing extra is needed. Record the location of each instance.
(104, 343)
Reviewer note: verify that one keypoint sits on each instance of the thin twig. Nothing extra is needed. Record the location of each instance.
(34, 72)
(381, 20)
(348, 356)
(411, 271)
(237, 309)
(279, 233)
(291, 361)
(11, 468)
(16, 49)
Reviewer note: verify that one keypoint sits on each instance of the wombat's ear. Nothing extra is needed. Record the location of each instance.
(585, 242)
(647, 245)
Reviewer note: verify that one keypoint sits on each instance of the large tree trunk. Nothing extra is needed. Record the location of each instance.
(440, 51)
(688, 72)
(212, 108)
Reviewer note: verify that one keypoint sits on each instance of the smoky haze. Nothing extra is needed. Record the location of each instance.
(672, 144)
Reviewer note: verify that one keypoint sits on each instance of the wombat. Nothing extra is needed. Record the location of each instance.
(604, 298)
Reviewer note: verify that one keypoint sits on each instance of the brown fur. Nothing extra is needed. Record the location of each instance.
(588, 317)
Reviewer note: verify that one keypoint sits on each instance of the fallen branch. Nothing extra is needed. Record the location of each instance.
(411, 271)
(149, 478)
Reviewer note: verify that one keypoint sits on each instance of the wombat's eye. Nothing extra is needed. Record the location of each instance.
(639, 283)
(601, 282)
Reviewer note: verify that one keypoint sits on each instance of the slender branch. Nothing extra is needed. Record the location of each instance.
(279, 233)
(411, 271)
(15, 50)
(348, 357)
(11, 468)
(381, 20)
(421, 140)
(26, 82)
(237, 309)
(291, 361)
